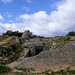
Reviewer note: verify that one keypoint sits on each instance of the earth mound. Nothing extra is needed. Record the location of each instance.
(57, 57)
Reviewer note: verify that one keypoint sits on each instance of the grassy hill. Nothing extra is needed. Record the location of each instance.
(11, 50)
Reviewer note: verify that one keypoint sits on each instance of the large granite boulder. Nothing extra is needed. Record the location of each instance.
(25, 36)
(26, 54)
(46, 59)
(37, 42)
(36, 47)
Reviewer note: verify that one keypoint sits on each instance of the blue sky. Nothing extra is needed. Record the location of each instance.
(42, 17)
(18, 7)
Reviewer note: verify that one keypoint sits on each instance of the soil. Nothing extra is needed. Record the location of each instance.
(5, 41)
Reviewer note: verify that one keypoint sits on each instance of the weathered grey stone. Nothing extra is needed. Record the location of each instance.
(45, 48)
(37, 42)
(25, 36)
(27, 53)
(36, 50)
(57, 57)
(36, 47)
(6, 59)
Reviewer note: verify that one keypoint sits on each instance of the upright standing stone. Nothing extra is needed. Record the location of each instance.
(25, 36)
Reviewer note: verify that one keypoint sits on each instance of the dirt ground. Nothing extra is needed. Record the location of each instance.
(5, 41)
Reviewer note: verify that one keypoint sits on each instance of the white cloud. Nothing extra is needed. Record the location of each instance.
(1, 17)
(8, 15)
(26, 9)
(11, 21)
(40, 23)
(28, 1)
(57, 23)
(2, 29)
(6, 1)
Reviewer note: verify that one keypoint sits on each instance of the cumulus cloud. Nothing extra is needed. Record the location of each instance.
(6, 1)
(25, 8)
(10, 21)
(2, 29)
(1, 17)
(58, 22)
(9, 15)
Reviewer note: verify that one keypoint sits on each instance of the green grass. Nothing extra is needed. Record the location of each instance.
(3, 38)
(5, 63)
(19, 73)
(61, 72)
(48, 44)
(31, 69)
(61, 38)
(9, 51)
(12, 40)
(24, 70)
(4, 69)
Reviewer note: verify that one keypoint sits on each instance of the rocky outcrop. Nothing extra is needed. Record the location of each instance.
(57, 57)
(25, 36)
(36, 47)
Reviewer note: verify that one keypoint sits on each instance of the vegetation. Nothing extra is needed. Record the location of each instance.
(61, 72)
(48, 44)
(5, 51)
(4, 69)
(5, 63)
(12, 40)
(12, 51)
(25, 70)
(58, 40)
(3, 38)
(72, 33)
(19, 73)
(15, 33)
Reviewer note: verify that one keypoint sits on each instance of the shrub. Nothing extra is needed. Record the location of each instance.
(15, 33)
(72, 33)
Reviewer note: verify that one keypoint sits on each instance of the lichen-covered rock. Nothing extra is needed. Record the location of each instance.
(45, 48)
(36, 47)
(57, 57)
(26, 54)
(25, 36)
